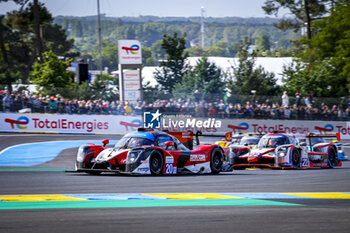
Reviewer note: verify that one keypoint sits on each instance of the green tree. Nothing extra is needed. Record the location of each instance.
(196, 52)
(52, 73)
(205, 77)
(102, 89)
(262, 43)
(147, 57)
(174, 67)
(220, 49)
(233, 49)
(109, 55)
(322, 80)
(304, 11)
(327, 61)
(157, 51)
(18, 31)
(247, 78)
(8, 76)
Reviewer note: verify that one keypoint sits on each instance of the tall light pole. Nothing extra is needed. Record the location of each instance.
(203, 36)
(99, 34)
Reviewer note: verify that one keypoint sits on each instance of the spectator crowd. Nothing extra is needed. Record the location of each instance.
(300, 109)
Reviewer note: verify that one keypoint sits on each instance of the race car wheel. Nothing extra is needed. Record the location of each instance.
(295, 158)
(156, 163)
(216, 161)
(332, 158)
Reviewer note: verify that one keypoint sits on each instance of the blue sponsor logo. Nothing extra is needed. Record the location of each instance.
(143, 169)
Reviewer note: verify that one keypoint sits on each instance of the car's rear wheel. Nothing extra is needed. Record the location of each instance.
(216, 161)
(295, 158)
(332, 158)
(156, 163)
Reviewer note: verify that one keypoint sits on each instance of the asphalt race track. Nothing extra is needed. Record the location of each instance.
(311, 200)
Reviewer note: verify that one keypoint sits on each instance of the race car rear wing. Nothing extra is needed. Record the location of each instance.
(336, 135)
(311, 135)
(185, 138)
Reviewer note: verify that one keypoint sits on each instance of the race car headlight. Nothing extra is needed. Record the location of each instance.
(82, 151)
(133, 156)
(80, 155)
(282, 152)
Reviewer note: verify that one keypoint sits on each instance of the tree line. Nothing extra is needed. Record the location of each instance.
(321, 65)
(30, 41)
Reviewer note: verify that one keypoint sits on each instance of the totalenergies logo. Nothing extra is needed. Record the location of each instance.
(133, 125)
(326, 128)
(242, 126)
(133, 49)
(20, 121)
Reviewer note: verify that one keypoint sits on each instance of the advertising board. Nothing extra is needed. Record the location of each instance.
(129, 52)
(73, 124)
(116, 124)
(132, 87)
(221, 126)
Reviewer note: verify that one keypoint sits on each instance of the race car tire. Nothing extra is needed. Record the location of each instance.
(332, 158)
(156, 163)
(93, 173)
(295, 158)
(216, 160)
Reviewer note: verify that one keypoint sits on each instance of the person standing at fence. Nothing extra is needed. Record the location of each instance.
(298, 99)
(197, 96)
(285, 99)
(53, 105)
(311, 98)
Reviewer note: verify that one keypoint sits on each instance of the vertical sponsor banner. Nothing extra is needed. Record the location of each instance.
(129, 52)
(75, 124)
(131, 86)
(130, 57)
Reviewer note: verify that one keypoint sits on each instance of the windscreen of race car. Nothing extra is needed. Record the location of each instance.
(272, 142)
(132, 142)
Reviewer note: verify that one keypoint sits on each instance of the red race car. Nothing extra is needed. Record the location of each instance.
(155, 153)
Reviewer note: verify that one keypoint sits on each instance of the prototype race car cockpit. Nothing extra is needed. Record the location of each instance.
(273, 141)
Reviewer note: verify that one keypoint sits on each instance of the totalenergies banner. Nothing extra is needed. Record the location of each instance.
(76, 124)
(289, 126)
(110, 124)
(221, 126)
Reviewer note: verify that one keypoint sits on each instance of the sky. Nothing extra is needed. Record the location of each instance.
(161, 8)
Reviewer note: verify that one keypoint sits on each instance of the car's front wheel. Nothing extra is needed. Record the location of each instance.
(156, 163)
(295, 158)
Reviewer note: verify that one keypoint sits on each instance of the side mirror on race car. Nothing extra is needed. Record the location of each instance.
(105, 142)
(169, 143)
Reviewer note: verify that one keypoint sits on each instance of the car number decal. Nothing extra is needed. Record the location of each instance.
(169, 165)
(305, 162)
